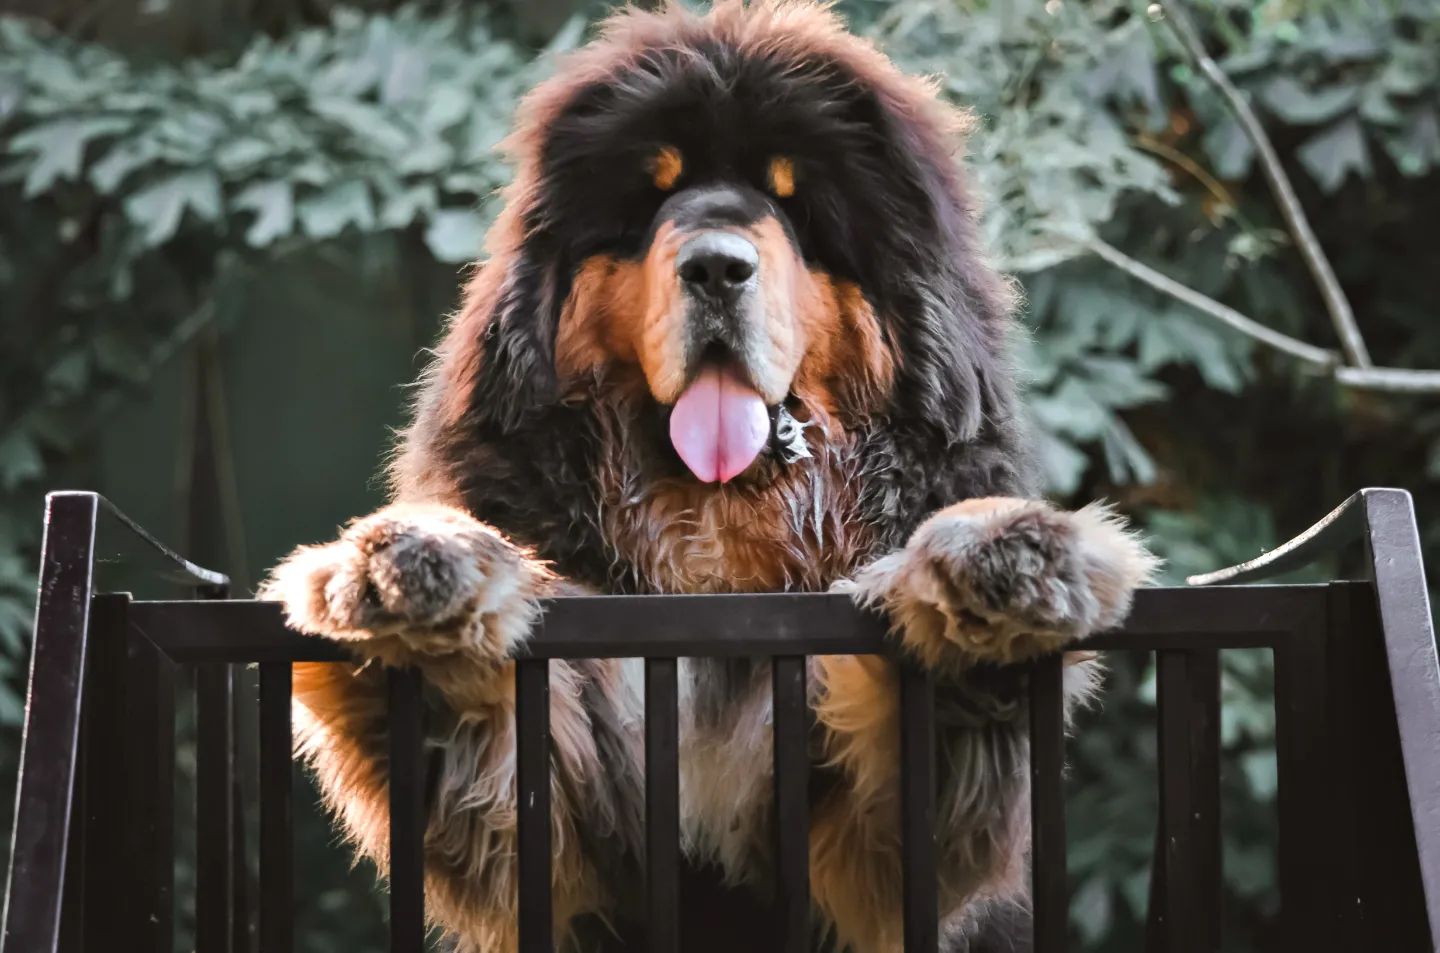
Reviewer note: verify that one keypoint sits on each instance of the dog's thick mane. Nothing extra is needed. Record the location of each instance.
(547, 460)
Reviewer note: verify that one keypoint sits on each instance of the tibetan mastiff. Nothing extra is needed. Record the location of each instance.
(735, 333)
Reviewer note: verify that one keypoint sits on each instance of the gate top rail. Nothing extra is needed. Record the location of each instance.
(730, 626)
(209, 579)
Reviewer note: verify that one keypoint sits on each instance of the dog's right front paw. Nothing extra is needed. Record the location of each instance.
(430, 576)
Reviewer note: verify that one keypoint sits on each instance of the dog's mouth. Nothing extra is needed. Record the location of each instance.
(720, 423)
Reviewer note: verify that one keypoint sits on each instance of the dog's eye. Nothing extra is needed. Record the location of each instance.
(781, 176)
(665, 167)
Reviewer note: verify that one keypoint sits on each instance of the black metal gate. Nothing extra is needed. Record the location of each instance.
(1358, 734)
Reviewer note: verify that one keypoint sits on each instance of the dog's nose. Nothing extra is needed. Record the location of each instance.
(717, 266)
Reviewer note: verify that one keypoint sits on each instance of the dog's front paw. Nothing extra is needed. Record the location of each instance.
(1004, 579)
(428, 577)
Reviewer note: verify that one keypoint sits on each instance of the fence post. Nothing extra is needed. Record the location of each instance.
(921, 911)
(48, 751)
(1049, 893)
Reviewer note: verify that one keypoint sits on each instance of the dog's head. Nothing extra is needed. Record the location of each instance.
(749, 218)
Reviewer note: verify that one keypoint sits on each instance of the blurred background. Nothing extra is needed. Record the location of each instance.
(230, 228)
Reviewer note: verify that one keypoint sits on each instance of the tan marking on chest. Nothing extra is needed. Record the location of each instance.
(797, 530)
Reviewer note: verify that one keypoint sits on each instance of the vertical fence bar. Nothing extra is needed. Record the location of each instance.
(791, 764)
(277, 871)
(1189, 782)
(532, 739)
(214, 790)
(921, 908)
(1362, 906)
(1049, 890)
(106, 815)
(1177, 920)
(407, 812)
(1379, 896)
(1204, 751)
(48, 754)
(1302, 761)
(1392, 543)
(662, 806)
(244, 692)
(242, 914)
(150, 779)
(72, 907)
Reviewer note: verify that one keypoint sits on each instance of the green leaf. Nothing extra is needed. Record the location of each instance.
(455, 235)
(1127, 460)
(20, 460)
(158, 209)
(1333, 154)
(1231, 151)
(1061, 463)
(1118, 382)
(1091, 909)
(1071, 411)
(404, 206)
(125, 158)
(1300, 106)
(59, 147)
(243, 154)
(368, 123)
(1417, 149)
(273, 203)
(1260, 772)
(329, 212)
(68, 375)
(1136, 889)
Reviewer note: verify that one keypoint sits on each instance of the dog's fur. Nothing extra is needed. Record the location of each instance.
(536, 464)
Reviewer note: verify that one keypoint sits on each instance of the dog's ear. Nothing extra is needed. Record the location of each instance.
(514, 375)
(946, 310)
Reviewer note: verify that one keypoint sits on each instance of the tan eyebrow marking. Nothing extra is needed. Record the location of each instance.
(782, 176)
(665, 168)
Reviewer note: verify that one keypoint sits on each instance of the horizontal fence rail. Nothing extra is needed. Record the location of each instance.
(731, 626)
(1356, 673)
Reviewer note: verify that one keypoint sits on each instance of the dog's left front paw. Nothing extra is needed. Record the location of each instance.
(1003, 579)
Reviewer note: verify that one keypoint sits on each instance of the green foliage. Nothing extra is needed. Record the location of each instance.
(141, 198)
(132, 192)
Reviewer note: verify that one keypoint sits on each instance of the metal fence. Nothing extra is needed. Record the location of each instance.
(1357, 721)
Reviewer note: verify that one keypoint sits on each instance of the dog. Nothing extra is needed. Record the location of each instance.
(735, 333)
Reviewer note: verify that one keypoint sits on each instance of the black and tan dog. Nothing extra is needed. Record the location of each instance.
(734, 334)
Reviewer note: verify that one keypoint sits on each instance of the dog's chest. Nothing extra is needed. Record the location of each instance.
(800, 533)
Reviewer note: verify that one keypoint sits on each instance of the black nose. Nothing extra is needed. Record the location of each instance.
(717, 266)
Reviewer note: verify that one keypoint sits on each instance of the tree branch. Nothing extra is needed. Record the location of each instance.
(1319, 357)
(1395, 380)
(1338, 306)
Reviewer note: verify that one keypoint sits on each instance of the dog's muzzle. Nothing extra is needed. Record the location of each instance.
(718, 268)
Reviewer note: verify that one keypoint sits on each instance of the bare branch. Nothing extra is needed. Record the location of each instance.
(1318, 356)
(1338, 306)
(1395, 380)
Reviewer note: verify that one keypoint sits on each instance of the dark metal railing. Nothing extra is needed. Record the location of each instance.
(1357, 715)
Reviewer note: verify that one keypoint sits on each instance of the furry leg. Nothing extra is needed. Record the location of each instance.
(1003, 580)
(429, 586)
(981, 812)
(981, 584)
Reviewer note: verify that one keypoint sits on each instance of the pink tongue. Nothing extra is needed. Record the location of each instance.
(719, 424)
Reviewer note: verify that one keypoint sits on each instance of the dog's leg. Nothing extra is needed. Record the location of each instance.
(980, 585)
(430, 587)
(1004, 580)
